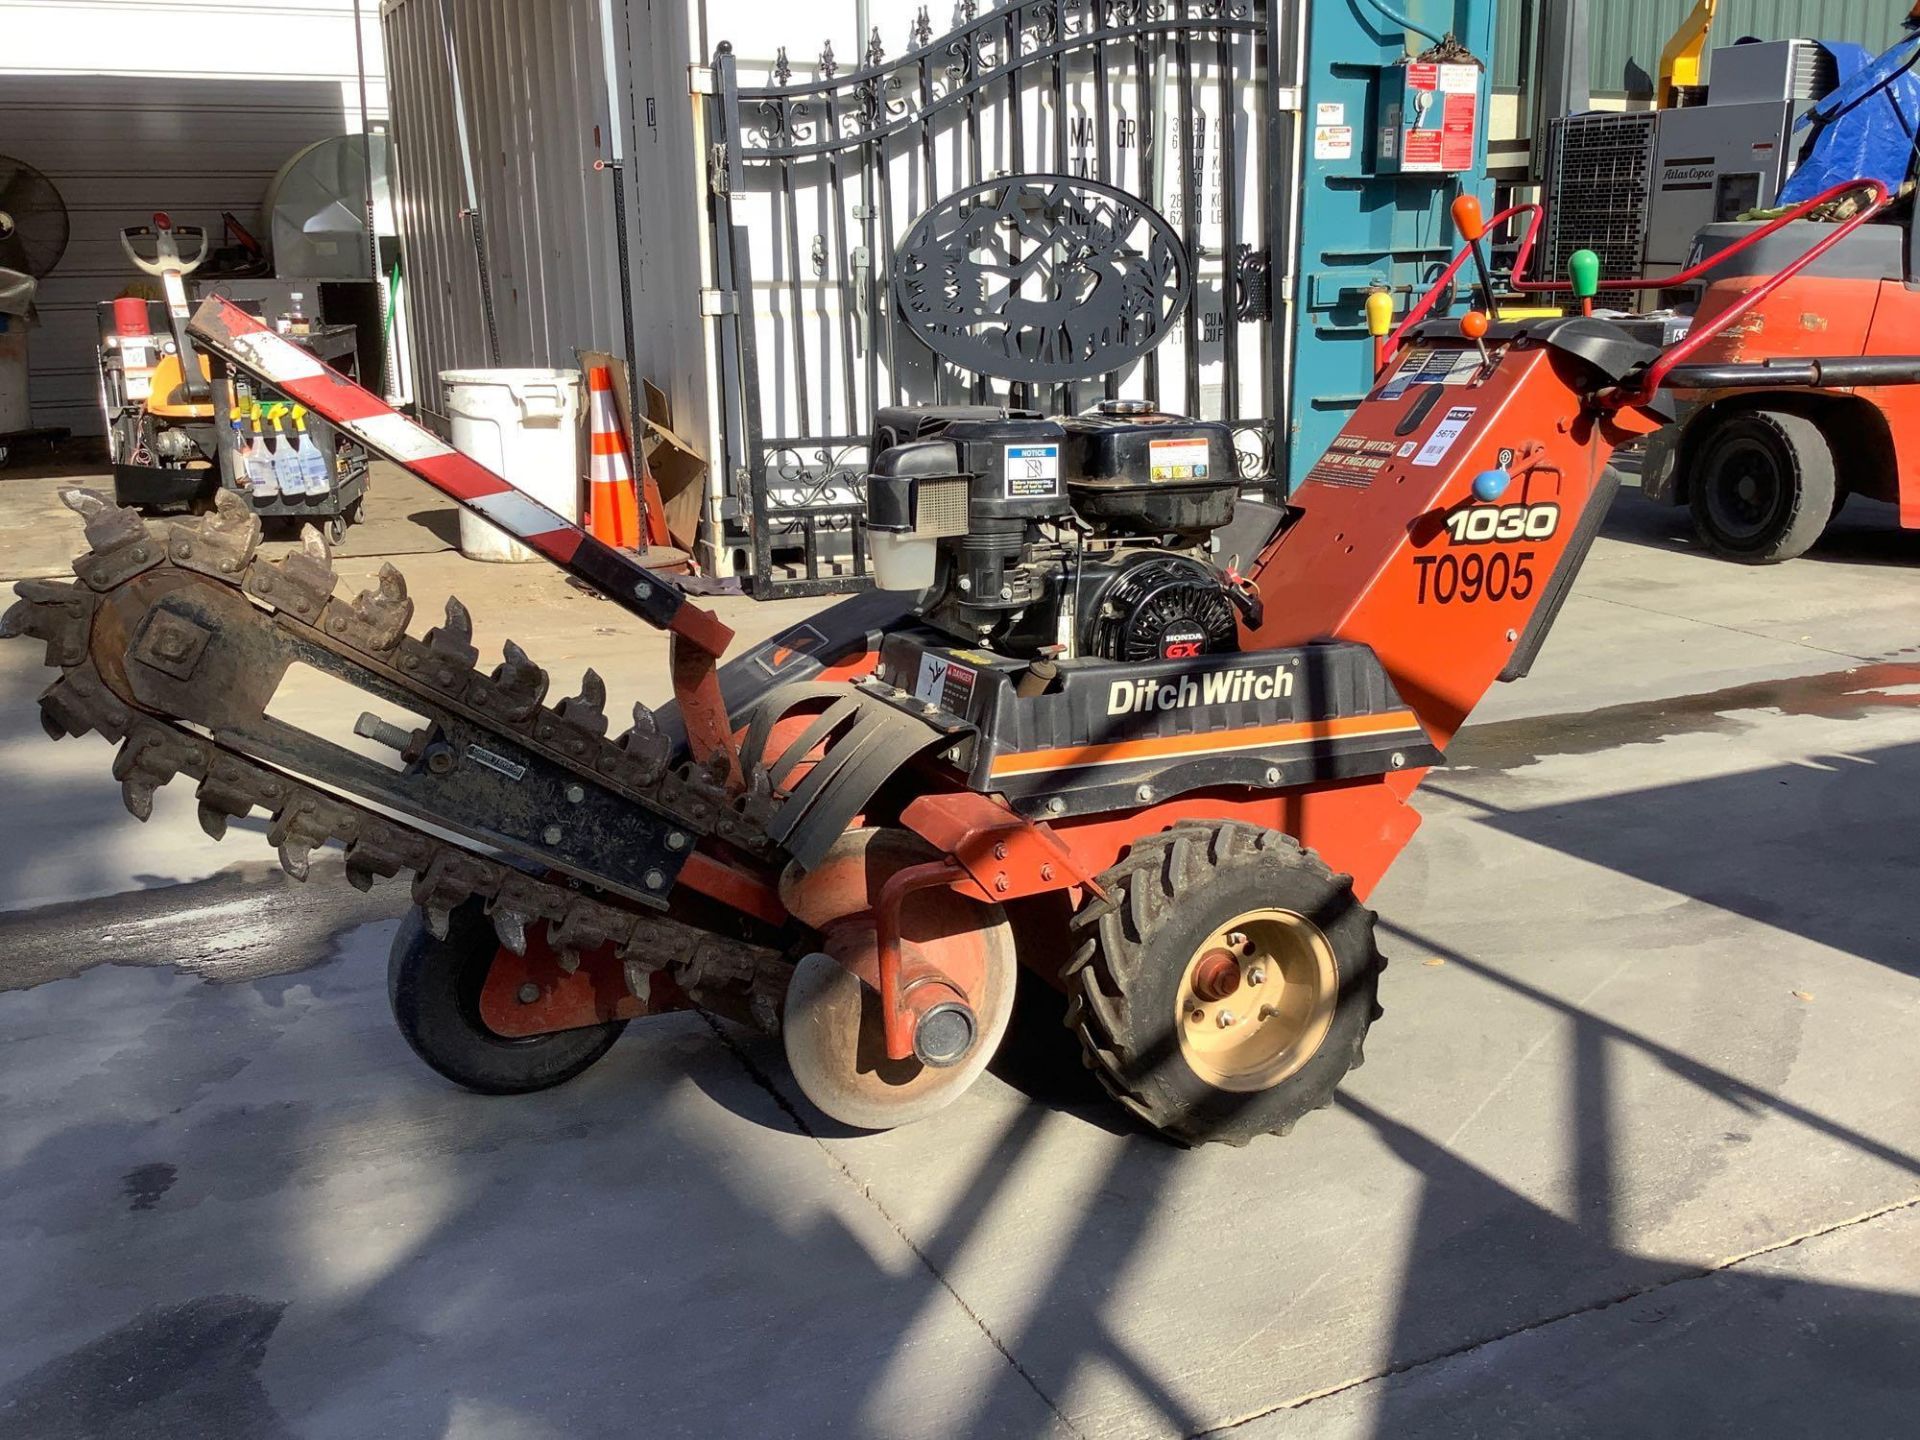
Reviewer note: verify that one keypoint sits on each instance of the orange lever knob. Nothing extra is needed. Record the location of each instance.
(1468, 218)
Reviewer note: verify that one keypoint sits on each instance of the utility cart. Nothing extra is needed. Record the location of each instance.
(256, 410)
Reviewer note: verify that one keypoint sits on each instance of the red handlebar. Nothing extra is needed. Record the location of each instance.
(1649, 384)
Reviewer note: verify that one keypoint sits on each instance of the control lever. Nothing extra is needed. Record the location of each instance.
(1472, 225)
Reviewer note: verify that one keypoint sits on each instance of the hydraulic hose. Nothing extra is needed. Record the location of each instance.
(1394, 17)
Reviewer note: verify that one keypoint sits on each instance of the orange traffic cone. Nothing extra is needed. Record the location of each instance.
(613, 512)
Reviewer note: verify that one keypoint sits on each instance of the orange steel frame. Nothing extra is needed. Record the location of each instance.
(1379, 563)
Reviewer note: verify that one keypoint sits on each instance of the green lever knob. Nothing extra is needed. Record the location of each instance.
(1583, 268)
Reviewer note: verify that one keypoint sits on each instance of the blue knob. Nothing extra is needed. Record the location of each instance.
(1490, 485)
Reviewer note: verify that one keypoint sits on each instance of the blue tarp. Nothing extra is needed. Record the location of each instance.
(1864, 130)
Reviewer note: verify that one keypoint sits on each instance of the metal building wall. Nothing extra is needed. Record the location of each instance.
(131, 106)
(535, 103)
(1628, 34)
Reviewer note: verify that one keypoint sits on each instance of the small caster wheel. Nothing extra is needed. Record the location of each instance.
(434, 987)
(336, 530)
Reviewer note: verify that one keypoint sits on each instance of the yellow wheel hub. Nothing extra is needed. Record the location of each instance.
(1256, 1000)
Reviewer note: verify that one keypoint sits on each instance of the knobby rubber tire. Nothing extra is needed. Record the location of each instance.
(1132, 949)
(434, 987)
(1804, 466)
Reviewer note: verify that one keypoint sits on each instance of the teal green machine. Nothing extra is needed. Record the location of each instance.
(1386, 149)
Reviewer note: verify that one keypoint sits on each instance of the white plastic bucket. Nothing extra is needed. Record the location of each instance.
(14, 414)
(524, 425)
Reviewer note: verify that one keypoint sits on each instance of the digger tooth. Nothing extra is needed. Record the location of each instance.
(83, 502)
(295, 860)
(645, 727)
(137, 796)
(315, 545)
(588, 709)
(213, 820)
(453, 639)
(521, 682)
(511, 927)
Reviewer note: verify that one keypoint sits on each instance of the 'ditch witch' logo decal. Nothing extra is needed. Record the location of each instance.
(1041, 277)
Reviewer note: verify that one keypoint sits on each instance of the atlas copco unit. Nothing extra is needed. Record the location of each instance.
(1102, 717)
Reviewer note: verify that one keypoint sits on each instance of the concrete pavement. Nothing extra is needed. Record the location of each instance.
(1637, 1147)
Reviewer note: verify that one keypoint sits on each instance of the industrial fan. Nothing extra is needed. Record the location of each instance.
(33, 220)
(33, 236)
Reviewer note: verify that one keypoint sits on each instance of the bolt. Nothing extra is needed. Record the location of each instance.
(552, 834)
(1226, 1019)
(1399, 760)
(999, 849)
(172, 646)
(575, 794)
(1143, 794)
(1000, 883)
(183, 548)
(643, 591)
(1056, 806)
(1512, 635)
(1046, 872)
(139, 553)
(528, 993)
(1006, 592)
(1199, 1017)
(676, 840)
(1237, 940)
(655, 879)
(262, 581)
(440, 760)
(1273, 775)
(1269, 1012)
(1257, 975)
(226, 566)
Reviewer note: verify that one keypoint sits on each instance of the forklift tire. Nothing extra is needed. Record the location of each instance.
(1764, 488)
(434, 987)
(1224, 986)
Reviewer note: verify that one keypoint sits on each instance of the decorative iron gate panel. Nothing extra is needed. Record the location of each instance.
(820, 185)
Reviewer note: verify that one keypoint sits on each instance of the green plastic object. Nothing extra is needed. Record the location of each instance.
(1583, 268)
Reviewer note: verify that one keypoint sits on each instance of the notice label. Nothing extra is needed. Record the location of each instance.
(944, 682)
(1333, 142)
(1431, 367)
(1033, 472)
(1178, 459)
(1329, 114)
(1451, 427)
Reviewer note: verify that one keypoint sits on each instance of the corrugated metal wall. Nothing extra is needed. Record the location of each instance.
(132, 106)
(1628, 34)
(535, 101)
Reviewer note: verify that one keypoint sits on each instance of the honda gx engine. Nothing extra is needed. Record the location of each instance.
(1089, 535)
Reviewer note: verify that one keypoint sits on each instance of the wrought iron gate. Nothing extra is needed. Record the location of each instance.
(1137, 135)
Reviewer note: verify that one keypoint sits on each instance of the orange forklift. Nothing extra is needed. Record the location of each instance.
(1764, 467)
(1765, 463)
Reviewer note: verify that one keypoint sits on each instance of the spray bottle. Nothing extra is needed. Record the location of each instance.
(260, 474)
(313, 465)
(286, 463)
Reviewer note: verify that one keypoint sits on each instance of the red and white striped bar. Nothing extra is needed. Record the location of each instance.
(250, 345)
